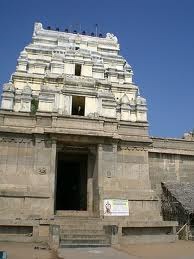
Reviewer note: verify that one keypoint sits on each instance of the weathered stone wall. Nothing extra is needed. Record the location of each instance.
(171, 160)
(126, 176)
(125, 168)
(25, 177)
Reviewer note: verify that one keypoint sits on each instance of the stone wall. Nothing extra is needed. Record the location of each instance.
(25, 177)
(126, 176)
(171, 160)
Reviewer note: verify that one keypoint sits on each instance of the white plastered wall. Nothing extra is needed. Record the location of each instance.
(91, 105)
(67, 104)
(98, 75)
(86, 70)
(141, 116)
(69, 68)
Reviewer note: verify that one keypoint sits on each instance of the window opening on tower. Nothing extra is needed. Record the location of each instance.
(77, 69)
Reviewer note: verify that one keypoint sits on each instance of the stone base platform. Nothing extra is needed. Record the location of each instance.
(87, 231)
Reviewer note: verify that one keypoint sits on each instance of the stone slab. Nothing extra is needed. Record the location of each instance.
(86, 253)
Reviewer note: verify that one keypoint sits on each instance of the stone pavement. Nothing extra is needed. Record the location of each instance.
(178, 250)
(94, 253)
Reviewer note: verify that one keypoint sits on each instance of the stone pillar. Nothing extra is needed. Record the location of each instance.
(35, 233)
(177, 167)
(44, 159)
(90, 192)
(7, 96)
(38, 146)
(100, 179)
(115, 158)
(53, 174)
(54, 236)
(114, 232)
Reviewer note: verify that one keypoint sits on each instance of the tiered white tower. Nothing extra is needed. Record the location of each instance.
(74, 74)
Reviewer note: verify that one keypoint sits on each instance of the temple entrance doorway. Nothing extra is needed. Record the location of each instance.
(71, 188)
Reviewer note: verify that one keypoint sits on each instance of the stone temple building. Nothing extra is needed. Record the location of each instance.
(77, 165)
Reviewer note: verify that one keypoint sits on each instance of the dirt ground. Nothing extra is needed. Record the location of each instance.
(179, 249)
(26, 251)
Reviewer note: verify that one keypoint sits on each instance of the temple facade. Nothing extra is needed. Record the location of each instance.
(75, 148)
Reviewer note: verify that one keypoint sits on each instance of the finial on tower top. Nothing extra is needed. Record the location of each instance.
(37, 27)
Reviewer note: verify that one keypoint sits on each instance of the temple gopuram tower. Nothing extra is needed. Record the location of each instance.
(74, 144)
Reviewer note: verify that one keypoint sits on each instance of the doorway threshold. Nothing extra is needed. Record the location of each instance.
(72, 213)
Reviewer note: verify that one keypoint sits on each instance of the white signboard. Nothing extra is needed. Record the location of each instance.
(116, 207)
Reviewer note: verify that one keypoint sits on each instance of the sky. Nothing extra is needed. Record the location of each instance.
(156, 37)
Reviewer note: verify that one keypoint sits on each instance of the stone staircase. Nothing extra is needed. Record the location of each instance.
(84, 232)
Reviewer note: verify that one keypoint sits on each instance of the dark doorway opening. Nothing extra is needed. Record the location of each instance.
(71, 193)
(78, 68)
(78, 105)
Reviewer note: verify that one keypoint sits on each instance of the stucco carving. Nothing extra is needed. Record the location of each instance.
(9, 87)
(125, 99)
(27, 90)
(37, 28)
(140, 100)
(111, 36)
(127, 67)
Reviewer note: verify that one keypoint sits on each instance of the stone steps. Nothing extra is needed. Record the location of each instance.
(81, 236)
(80, 224)
(84, 242)
(82, 227)
(62, 245)
(83, 232)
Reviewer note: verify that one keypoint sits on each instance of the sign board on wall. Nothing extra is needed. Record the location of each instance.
(116, 207)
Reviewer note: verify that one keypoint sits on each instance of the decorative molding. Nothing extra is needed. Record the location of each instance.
(131, 148)
(15, 140)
